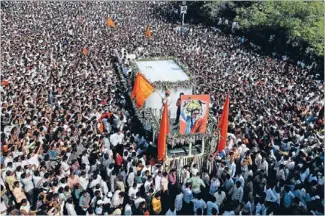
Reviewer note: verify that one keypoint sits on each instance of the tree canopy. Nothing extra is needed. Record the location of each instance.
(300, 22)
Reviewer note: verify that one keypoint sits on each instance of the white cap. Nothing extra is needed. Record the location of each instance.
(99, 202)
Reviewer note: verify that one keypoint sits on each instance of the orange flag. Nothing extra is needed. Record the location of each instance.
(142, 89)
(110, 23)
(164, 130)
(85, 51)
(148, 33)
(223, 125)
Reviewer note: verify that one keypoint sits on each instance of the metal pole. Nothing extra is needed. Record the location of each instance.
(203, 145)
(183, 20)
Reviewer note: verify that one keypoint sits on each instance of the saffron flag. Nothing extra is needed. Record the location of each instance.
(142, 89)
(110, 23)
(85, 51)
(164, 130)
(223, 125)
(148, 33)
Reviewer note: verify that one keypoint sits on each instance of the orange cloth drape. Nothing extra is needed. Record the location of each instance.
(110, 23)
(223, 125)
(142, 89)
(148, 33)
(164, 130)
(85, 51)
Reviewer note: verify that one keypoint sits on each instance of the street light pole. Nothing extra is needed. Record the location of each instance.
(183, 11)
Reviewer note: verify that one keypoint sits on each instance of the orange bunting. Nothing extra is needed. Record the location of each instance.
(110, 23)
(142, 89)
(148, 33)
(85, 51)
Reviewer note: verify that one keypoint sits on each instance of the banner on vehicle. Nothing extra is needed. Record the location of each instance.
(194, 114)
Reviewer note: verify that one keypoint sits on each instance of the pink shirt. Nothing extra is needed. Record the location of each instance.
(74, 181)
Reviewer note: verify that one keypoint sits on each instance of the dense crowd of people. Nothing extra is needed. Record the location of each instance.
(56, 159)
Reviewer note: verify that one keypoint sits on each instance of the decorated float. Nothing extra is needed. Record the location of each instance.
(194, 135)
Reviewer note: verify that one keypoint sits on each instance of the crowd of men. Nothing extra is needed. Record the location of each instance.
(55, 159)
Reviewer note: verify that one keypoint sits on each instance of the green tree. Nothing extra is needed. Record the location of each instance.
(302, 22)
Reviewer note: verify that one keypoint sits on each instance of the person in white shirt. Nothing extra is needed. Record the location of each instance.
(148, 184)
(214, 185)
(84, 180)
(116, 138)
(96, 179)
(133, 191)
(237, 192)
(27, 181)
(128, 208)
(232, 168)
(130, 178)
(138, 200)
(84, 158)
(270, 196)
(185, 174)
(240, 178)
(70, 207)
(164, 182)
(118, 198)
(194, 168)
(158, 181)
(220, 196)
